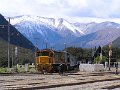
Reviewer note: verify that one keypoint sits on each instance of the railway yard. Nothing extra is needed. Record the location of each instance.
(53, 81)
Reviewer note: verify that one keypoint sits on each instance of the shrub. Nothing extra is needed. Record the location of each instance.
(100, 60)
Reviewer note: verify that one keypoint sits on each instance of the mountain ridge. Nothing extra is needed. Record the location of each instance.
(56, 32)
(16, 37)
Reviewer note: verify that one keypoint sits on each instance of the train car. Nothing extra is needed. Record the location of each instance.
(49, 60)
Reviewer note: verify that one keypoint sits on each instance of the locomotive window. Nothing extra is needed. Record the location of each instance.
(39, 54)
(44, 53)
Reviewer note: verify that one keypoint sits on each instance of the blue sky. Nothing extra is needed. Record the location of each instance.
(73, 10)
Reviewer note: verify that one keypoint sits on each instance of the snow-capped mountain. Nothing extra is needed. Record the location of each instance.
(99, 38)
(16, 38)
(94, 27)
(56, 32)
(36, 30)
(52, 23)
(45, 29)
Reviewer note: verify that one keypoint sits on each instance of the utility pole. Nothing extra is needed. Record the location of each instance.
(16, 56)
(36, 39)
(8, 33)
(110, 54)
(65, 45)
(8, 42)
(46, 45)
(12, 56)
(110, 50)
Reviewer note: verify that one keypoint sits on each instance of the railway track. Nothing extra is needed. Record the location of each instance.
(71, 84)
(112, 87)
(53, 81)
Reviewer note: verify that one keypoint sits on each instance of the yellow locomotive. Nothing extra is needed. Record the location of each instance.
(50, 60)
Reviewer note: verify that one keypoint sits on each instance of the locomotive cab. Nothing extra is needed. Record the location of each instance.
(44, 60)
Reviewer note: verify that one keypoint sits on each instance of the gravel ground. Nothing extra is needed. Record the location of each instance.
(70, 81)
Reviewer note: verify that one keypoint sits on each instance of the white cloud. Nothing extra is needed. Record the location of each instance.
(77, 3)
(69, 9)
(93, 19)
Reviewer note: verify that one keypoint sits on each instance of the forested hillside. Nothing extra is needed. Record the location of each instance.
(24, 55)
(116, 43)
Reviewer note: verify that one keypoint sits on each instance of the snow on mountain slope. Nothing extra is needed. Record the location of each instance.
(69, 26)
(59, 31)
(37, 19)
(94, 27)
(50, 22)
(47, 29)
(40, 32)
